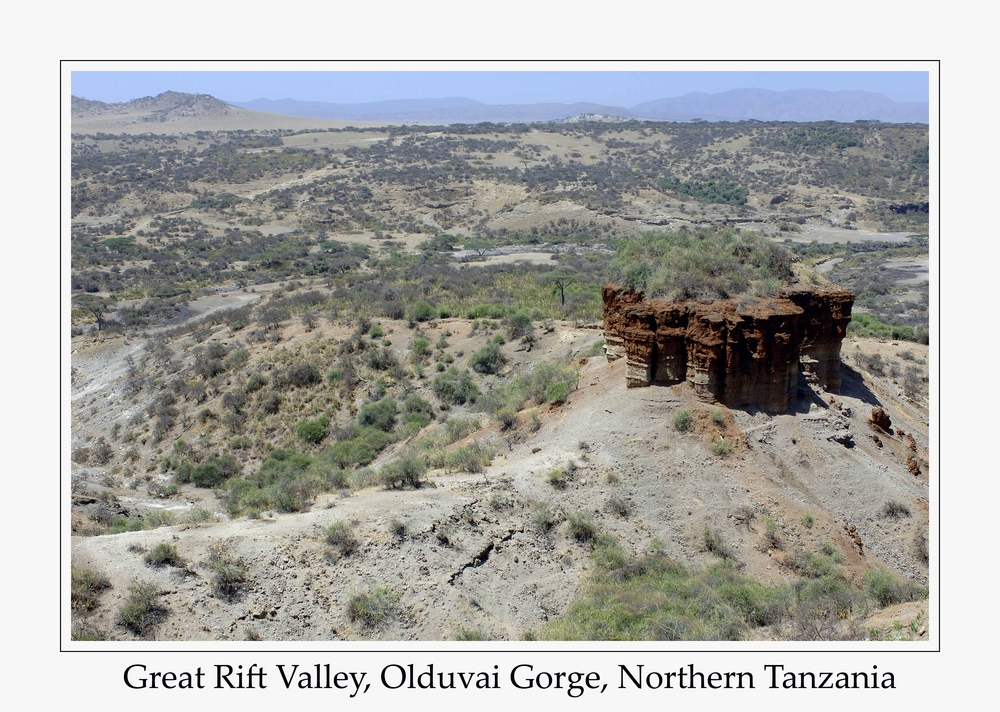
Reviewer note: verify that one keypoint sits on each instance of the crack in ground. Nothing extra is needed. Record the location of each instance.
(482, 557)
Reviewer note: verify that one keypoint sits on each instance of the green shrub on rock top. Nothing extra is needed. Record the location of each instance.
(700, 264)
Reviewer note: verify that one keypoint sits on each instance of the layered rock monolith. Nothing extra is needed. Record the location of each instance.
(748, 353)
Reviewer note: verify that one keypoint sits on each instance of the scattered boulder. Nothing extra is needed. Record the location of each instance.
(879, 420)
(852, 533)
(843, 437)
(841, 433)
(913, 465)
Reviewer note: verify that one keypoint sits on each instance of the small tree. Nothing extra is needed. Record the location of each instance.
(95, 306)
(560, 278)
(480, 247)
(272, 317)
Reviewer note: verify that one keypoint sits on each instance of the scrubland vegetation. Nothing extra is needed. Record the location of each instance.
(384, 335)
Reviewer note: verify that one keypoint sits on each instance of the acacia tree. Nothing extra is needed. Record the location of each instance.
(94, 305)
(560, 278)
(480, 247)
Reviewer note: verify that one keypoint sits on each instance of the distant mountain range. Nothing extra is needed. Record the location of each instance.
(734, 105)
(160, 108)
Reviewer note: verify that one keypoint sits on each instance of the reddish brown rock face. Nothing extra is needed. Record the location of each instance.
(740, 356)
(879, 420)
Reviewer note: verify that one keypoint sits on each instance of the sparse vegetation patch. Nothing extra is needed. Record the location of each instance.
(374, 607)
(699, 264)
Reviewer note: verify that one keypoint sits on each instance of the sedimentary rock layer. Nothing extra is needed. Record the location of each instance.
(737, 354)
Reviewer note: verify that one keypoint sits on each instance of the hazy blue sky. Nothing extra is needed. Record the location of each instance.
(611, 87)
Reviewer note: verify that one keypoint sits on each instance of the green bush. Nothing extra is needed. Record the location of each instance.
(455, 387)
(469, 458)
(683, 420)
(84, 631)
(240, 442)
(198, 515)
(581, 527)
(340, 537)
(417, 414)
(595, 349)
(488, 311)
(507, 418)
(812, 565)
(405, 472)
(413, 423)
(313, 431)
(381, 360)
(229, 574)
(86, 586)
(715, 190)
(519, 324)
(432, 446)
(721, 448)
(235, 359)
(141, 611)
(557, 392)
(228, 578)
(415, 404)
(535, 423)
(364, 477)
(163, 554)
(656, 598)
(772, 531)
(886, 590)
(156, 518)
(397, 528)
(361, 448)
(215, 472)
(270, 403)
(541, 515)
(488, 360)
(374, 607)
(380, 415)
(544, 380)
(420, 348)
(868, 326)
(421, 311)
(287, 481)
(121, 525)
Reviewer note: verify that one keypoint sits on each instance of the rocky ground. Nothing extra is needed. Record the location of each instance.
(491, 554)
